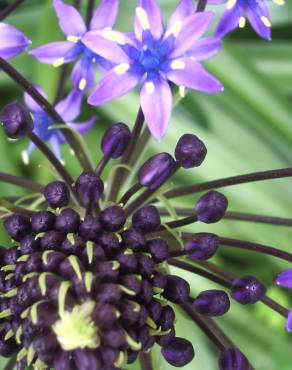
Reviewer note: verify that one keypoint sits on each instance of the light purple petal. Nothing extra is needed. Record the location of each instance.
(204, 48)
(55, 145)
(156, 103)
(112, 86)
(56, 51)
(194, 76)
(254, 16)
(104, 47)
(69, 108)
(70, 19)
(105, 15)
(192, 29)
(183, 10)
(289, 322)
(31, 103)
(12, 41)
(284, 279)
(229, 21)
(82, 75)
(30, 148)
(154, 18)
(83, 127)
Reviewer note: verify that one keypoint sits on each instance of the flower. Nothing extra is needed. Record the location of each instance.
(237, 11)
(69, 110)
(12, 41)
(154, 57)
(73, 26)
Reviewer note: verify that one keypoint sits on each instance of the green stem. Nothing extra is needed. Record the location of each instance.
(10, 8)
(21, 182)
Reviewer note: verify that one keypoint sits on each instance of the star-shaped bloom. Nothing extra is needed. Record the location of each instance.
(155, 56)
(74, 27)
(237, 11)
(68, 109)
(12, 41)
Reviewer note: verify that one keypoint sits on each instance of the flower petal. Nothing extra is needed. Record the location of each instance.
(83, 127)
(55, 145)
(289, 322)
(194, 76)
(70, 19)
(12, 41)
(229, 21)
(69, 108)
(183, 10)
(31, 103)
(105, 15)
(204, 48)
(112, 86)
(156, 103)
(255, 16)
(82, 75)
(148, 16)
(284, 279)
(192, 28)
(56, 53)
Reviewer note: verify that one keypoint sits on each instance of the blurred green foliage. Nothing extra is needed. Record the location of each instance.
(247, 128)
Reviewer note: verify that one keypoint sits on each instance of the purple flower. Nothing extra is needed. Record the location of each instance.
(69, 110)
(153, 56)
(74, 27)
(237, 11)
(12, 41)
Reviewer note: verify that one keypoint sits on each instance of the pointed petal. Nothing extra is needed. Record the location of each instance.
(101, 44)
(183, 10)
(31, 103)
(82, 75)
(105, 15)
(151, 14)
(289, 322)
(255, 15)
(192, 29)
(284, 279)
(83, 127)
(69, 108)
(70, 19)
(12, 41)
(56, 52)
(156, 103)
(229, 21)
(194, 76)
(112, 86)
(55, 145)
(204, 48)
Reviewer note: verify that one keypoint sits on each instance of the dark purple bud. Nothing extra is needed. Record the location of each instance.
(233, 359)
(114, 337)
(68, 270)
(146, 293)
(177, 289)
(131, 282)
(64, 361)
(108, 355)
(211, 207)
(105, 315)
(17, 226)
(158, 249)
(130, 313)
(146, 219)
(42, 221)
(109, 242)
(73, 244)
(132, 356)
(53, 261)
(167, 318)
(57, 194)
(90, 228)
(190, 151)
(2, 282)
(143, 317)
(89, 187)
(247, 290)
(97, 256)
(116, 140)
(47, 342)
(159, 280)
(47, 314)
(128, 261)
(145, 338)
(19, 272)
(29, 244)
(11, 256)
(146, 265)
(155, 310)
(163, 340)
(86, 359)
(52, 240)
(109, 293)
(16, 120)
(178, 352)
(7, 347)
(34, 263)
(212, 303)
(108, 271)
(113, 218)
(134, 239)
(68, 221)
(156, 170)
(202, 246)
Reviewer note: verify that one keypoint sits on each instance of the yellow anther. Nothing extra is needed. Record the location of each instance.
(242, 22)
(82, 84)
(74, 39)
(122, 68)
(182, 91)
(266, 21)
(230, 4)
(143, 18)
(177, 64)
(25, 157)
(279, 2)
(59, 62)
(175, 29)
(114, 36)
(150, 87)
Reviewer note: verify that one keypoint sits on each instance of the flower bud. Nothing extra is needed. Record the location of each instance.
(17, 226)
(247, 290)
(177, 289)
(233, 359)
(159, 249)
(212, 303)
(89, 187)
(90, 228)
(284, 279)
(113, 218)
(190, 151)
(42, 221)
(167, 318)
(202, 246)
(156, 170)
(116, 140)
(52, 240)
(211, 207)
(86, 359)
(146, 219)
(16, 120)
(68, 221)
(57, 194)
(178, 352)
(105, 315)
(134, 239)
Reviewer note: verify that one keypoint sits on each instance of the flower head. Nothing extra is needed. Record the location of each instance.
(12, 41)
(74, 27)
(154, 57)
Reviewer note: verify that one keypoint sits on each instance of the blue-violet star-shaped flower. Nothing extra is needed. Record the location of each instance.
(74, 27)
(153, 56)
(12, 41)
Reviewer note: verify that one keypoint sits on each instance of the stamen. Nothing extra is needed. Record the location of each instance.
(174, 30)
(74, 262)
(21, 354)
(143, 18)
(30, 355)
(88, 281)
(82, 84)
(114, 36)
(279, 2)
(25, 157)
(178, 64)
(59, 62)
(9, 335)
(182, 91)
(230, 4)
(150, 87)
(74, 39)
(135, 346)
(121, 360)
(266, 21)
(122, 68)
(89, 251)
(242, 22)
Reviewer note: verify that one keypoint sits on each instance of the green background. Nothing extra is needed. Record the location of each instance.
(247, 128)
